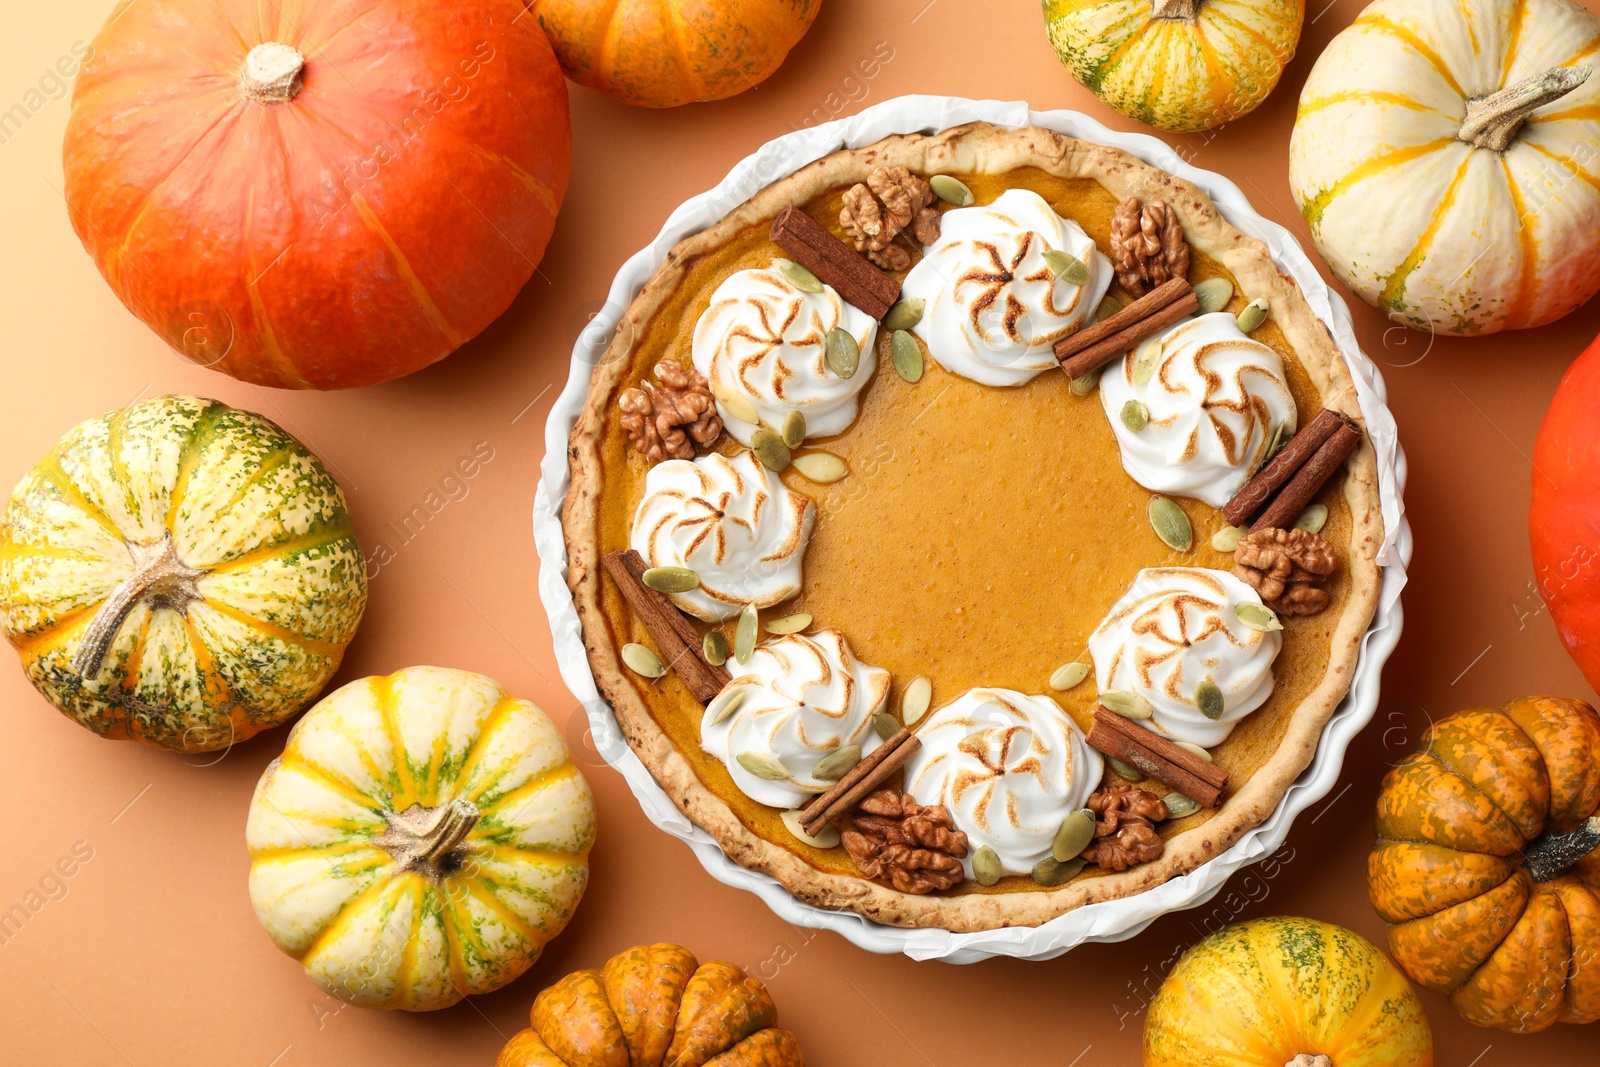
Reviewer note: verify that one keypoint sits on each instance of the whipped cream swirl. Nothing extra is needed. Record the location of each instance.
(762, 339)
(1175, 628)
(732, 522)
(994, 308)
(1009, 768)
(804, 697)
(1215, 399)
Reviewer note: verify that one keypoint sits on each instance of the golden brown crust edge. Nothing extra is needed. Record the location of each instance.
(980, 148)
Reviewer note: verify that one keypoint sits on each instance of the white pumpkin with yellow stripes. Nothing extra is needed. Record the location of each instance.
(1447, 158)
(421, 839)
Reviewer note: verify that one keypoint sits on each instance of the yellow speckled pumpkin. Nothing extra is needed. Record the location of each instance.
(421, 839)
(1286, 993)
(654, 1005)
(1487, 863)
(181, 573)
(1176, 64)
(663, 53)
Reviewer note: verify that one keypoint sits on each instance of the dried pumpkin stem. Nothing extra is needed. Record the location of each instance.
(1494, 120)
(1551, 854)
(272, 73)
(159, 577)
(1311, 1059)
(425, 840)
(1175, 10)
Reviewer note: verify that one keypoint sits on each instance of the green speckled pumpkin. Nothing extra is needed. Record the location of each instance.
(180, 573)
(421, 839)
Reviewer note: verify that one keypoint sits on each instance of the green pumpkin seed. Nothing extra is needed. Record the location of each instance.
(1179, 805)
(885, 725)
(1253, 315)
(841, 352)
(1258, 617)
(1171, 524)
(1191, 747)
(715, 646)
(770, 449)
(670, 579)
(906, 314)
(1066, 266)
(1068, 675)
(951, 190)
(789, 624)
(1208, 698)
(1274, 443)
(1073, 836)
(1128, 705)
(1085, 383)
(1107, 308)
(794, 429)
(1213, 294)
(986, 867)
(1227, 539)
(736, 405)
(1135, 416)
(724, 704)
(763, 766)
(797, 276)
(794, 822)
(1313, 518)
(1133, 774)
(641, 660)
(744, 635)
(824, 468)
(906, 355)
(1051, 872)
(1145, 361)
(836, 764)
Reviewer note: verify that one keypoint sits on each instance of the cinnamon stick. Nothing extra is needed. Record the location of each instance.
(1095, 346)
(857, 281)
(1276, 473)
(1158, 758)
(865, 778)
(677, 639)
(1309, 480)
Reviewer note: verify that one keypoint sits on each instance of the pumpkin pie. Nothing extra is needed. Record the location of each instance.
(1027, 585)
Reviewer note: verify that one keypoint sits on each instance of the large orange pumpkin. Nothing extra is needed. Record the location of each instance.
(663, 53)
(1486, 863)
(317, 193)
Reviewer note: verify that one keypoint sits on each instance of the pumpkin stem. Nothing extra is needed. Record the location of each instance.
(160, 577)
(1494, 120)
(426, 839)
(1175, 10)
(1551, 854)
(272, 73)
(1311, 1059)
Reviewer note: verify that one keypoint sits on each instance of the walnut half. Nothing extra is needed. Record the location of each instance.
(1124, 831)
(875, 212)
(915, 848)
(1147, 245)
(665, 421)
(1287, 568)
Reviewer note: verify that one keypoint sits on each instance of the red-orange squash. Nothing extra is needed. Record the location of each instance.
(663, 53)
(1487, 864)
(654, 1006)
(317, 193)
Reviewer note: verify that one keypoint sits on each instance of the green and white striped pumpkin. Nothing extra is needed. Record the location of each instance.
(181, 573)
(421, 839)
(1447, 158)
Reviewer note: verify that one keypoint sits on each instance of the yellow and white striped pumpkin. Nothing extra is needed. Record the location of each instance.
(181, 573)
(421, 839)
(1447, 158)
(1176, 64)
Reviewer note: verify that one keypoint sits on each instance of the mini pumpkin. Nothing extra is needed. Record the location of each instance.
(181, 573)
(665, 53)
(1176, 64)
(1486, 863)
(1286, 992)
(654, 1006)
(1444, 158)
(422, 838)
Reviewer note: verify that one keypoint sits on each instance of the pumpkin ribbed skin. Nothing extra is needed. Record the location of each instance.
(1442, 233)
(665, 53)
(1261, 993)
(1456, 824)
(654, 1006)
(359, 231)
(1176, 73)
(272, 582)
(337, 878)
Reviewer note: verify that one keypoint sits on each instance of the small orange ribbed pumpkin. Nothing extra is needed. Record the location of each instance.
(657, 1006)
(664, 53)
(1487, 866)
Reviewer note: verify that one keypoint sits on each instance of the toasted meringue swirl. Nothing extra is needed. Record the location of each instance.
(804, 697)
(1009, 767)
(1175, 628)
(1215, 399)
(762, 339)
(733, 523)
(994, 308)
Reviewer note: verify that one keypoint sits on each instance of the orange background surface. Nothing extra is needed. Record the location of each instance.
(153, 956)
